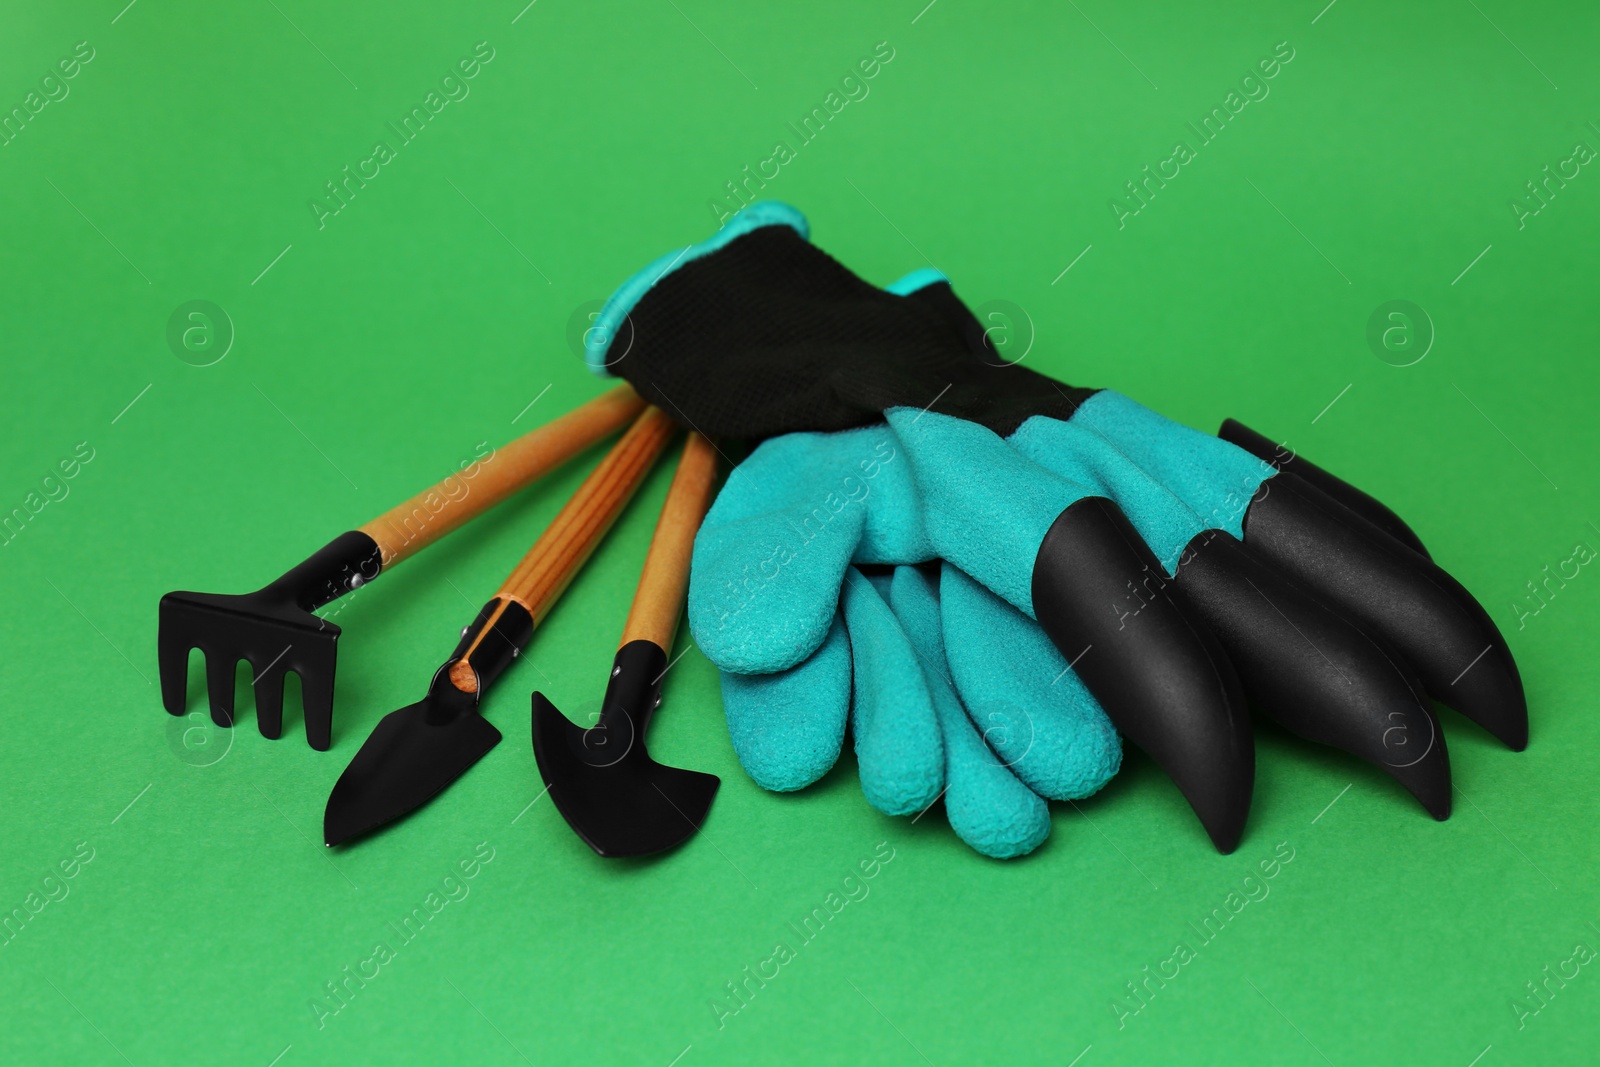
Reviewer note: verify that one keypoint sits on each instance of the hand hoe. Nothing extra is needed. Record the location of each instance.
(602, 779)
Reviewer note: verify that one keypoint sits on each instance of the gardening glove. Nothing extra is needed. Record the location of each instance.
(1174, 570)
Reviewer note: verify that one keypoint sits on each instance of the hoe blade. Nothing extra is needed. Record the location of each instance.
(618, 799)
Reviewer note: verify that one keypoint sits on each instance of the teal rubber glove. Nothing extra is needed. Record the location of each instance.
(950, 692)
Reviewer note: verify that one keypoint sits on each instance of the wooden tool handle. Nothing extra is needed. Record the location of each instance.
(665, 579)
(569, 540)
(566, 544)
(435, 511)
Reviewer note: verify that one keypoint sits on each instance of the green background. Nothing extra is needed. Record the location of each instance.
(373, 353)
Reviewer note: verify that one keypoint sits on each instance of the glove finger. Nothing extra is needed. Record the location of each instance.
(1030, 706)
(1368, 507)
(899, 748)
(772, 551)
(788, 728)
(1314, 672)
(1172, 482)
(987, 806)
(987, 507)
(1403, 599)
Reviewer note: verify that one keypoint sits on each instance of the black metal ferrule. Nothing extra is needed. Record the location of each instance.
(501, 642)
(348, 561)
(634, 689)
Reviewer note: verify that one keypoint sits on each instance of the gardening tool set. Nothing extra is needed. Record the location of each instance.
(419, 750)
(985, 577)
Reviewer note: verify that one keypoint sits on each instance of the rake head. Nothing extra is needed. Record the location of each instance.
(274, 630)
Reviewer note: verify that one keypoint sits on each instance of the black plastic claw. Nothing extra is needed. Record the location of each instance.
(274, 628)
(1314, 672)
(1401, 598)
(1368, 507)
(1161, 677)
